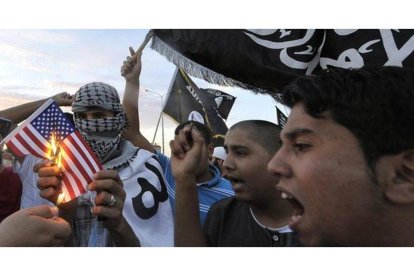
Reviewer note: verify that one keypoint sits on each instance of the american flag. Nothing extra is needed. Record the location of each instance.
(78, 162)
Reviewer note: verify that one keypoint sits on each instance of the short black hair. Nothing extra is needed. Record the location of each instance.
(375, 103)
(204, 130)
(267, 134)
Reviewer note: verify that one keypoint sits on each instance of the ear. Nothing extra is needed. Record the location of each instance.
(400, 188)
(210, 148)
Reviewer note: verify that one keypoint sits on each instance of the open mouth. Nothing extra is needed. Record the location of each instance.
(298, 208)
(235, 182)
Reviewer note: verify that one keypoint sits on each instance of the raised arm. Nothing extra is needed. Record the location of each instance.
(131, 70)
(186, 152)
(20, 113)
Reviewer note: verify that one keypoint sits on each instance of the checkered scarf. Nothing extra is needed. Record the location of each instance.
(103, 135)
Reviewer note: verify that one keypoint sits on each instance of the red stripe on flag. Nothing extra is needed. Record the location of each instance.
(68, 184)
(15, 149)
(81, 150)
(91, 153)
(26, 146)
(36, 140)
(85, 151)
(78, 181)
(76, 162)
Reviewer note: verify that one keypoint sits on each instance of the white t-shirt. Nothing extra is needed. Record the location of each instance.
(147, 208)
(30, 192)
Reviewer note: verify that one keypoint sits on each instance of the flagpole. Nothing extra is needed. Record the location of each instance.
(156, 129)
(160, 118)
(144, 43)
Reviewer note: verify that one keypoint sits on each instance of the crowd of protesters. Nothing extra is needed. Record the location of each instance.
(340, 172)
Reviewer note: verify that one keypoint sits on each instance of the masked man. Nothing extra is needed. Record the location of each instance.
(129, 195)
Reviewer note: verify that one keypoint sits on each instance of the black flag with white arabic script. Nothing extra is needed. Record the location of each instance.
(266, 60)
(187, 102)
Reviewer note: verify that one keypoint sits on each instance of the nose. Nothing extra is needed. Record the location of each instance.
(228, 163)
(278, 165)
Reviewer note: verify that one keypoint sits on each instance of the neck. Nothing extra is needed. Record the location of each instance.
(275, 214)
(395, 230)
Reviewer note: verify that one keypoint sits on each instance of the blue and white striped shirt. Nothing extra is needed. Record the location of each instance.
(208, 193)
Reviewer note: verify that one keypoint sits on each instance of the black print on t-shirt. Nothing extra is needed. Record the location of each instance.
(159, 196)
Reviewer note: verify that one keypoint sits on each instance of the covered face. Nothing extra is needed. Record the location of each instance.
(99, 116)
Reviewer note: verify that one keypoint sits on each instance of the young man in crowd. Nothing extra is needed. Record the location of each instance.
(131, 200)
(347, 160)
(209, 183)
(256, 215)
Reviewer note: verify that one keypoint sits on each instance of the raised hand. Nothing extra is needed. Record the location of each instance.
(131, 67)
(63, 99)
(186, 152)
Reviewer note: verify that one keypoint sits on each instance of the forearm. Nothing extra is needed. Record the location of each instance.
(130, 104)
(20, 113)
(131, 95)
(124, 236)
(188, 231)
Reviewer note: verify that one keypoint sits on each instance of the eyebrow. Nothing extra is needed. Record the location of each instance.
(293, 134)
(234, 147)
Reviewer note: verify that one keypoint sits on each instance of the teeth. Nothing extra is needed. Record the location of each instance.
(296, 217)
(285, 195)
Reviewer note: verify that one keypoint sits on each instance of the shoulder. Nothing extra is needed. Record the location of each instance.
(227, 205)
(140, 156)
(162, 159)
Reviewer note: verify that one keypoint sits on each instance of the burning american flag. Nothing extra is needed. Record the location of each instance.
(49, 134)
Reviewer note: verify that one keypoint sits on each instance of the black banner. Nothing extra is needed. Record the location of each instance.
(266, 60)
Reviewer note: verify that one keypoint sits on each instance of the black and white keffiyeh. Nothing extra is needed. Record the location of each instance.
(97, 94)
(104, 136)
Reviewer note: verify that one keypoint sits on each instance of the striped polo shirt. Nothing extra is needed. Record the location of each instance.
(208, 193)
